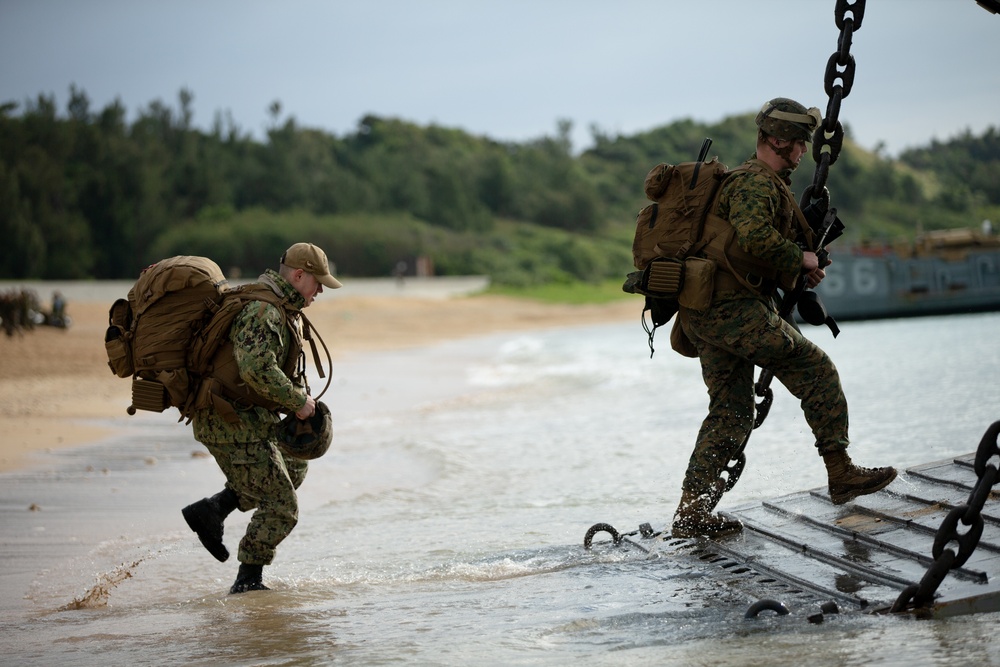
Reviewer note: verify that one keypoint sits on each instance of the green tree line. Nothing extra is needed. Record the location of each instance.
(86, 194)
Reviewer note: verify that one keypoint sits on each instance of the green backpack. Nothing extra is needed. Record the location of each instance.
(165, 334)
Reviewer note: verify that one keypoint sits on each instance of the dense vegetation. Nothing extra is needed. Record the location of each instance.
(86, 194)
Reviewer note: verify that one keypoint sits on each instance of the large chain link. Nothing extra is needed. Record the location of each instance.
(921, 596)
(837, 81)
(992, 6)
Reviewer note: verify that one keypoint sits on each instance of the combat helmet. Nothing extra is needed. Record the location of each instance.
(787, 119)
(306, 439)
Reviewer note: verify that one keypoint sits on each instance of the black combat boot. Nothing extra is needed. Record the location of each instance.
(249, 578)
(206, 517)
(694, 518)
(848, 481)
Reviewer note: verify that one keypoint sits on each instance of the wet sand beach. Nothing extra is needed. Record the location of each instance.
(80, 469)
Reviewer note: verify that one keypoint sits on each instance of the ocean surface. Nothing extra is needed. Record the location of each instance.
(445, 526)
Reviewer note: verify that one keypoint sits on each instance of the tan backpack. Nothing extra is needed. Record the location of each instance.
(669, 233)
(165, 334)
(671, 229)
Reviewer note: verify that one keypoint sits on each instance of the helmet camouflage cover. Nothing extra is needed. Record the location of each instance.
(306, 439)
(787, 119)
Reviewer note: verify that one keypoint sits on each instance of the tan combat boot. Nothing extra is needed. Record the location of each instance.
(848, 481)
(695, 519)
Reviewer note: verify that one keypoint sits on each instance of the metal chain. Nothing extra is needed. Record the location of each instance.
(921, 596)
(992, 6)
(828, 139)
(838, 80)
(827, 143)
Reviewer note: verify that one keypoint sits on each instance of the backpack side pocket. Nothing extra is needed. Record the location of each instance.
(117, 339)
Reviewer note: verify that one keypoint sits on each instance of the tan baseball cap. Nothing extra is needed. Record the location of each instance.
(312, 259)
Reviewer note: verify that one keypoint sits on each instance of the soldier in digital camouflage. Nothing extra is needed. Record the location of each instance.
(266, 344)
(741, 329)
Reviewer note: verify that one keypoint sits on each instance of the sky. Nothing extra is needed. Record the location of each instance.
(510, 69)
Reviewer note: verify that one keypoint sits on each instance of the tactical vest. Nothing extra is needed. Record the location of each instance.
(737, 269)
(222, 387)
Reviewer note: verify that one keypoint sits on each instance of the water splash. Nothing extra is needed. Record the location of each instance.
(98, 595)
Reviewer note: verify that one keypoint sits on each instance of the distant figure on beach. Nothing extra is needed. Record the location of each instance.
(741, 329)
(262, 474)
(399, 273)
(58, 318)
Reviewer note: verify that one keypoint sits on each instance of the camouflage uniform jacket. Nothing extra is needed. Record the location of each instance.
(261, 340)
(757, 206)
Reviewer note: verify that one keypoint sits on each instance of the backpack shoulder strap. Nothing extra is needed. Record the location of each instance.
(216, 331)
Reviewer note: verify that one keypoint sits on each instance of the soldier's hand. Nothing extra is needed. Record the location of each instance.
(307, 410)
(815, 277)
(810, 262)
(812, 272)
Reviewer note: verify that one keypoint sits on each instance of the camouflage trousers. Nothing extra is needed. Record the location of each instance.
(265, 480)
(732, 337)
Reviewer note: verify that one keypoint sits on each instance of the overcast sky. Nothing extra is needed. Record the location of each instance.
(510, 69)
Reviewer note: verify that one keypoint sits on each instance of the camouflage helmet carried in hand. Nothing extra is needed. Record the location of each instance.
(306, 439)
(787, 119)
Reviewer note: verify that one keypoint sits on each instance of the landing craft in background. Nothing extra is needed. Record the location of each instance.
(943, 272)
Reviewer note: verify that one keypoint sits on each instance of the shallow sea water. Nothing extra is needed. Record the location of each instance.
(445, 526)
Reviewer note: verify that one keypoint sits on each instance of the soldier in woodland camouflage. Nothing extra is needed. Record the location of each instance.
(266, 345)
(742, 329)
